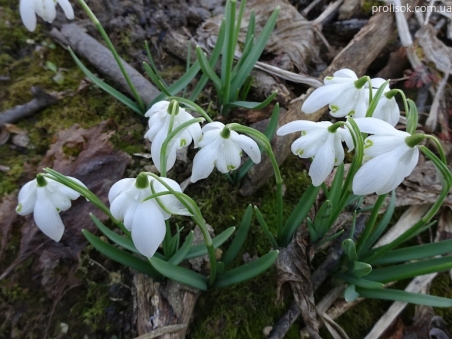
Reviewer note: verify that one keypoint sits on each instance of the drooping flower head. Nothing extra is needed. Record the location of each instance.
(343, 92)
(46, 9)
(159, 123)
(393, 155)
(320, 140)
(45, 198)
(144, 218)
(222, 148)
(387, 108)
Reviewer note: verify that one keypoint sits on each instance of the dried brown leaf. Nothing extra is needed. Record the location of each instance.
(434, 49)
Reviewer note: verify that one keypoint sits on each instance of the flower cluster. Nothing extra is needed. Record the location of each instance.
(391, 154)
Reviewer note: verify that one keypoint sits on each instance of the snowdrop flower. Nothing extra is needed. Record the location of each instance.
(393, 155)
(46, 197)
(387, 108)
(344, 93)
(321, 140)
(43, 8)
(159, 121)
(222, 148)
(145, 219)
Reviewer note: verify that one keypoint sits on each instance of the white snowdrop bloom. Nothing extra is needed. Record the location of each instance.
(159, 122)
(387, 108)
(341, 92)
(222, 148)
(45, 198)
(320, 141)
(145, 219)
(46, 9)
(391, 158)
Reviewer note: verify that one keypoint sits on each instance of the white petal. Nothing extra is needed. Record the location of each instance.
(307, 145)
(210, 137)
(46, 10)
(216, 125)
(338, 150)
(375, 145)
(377, 82)
(195, 131)
(170, 202)
(345, 73)
(322, 96)
(157, 107)
(118, 187)
(323, 162)
(130, 214)
(387, 110)
(248, 145)
(27, 198)
(148, 229)
(345, 103)
(120, 204)
(377, 126)
(229, 157)
(204, 163)
(47, 217)
(347, 137)
(28, 14)
(156, 147)
(296, 126)
(67, 8)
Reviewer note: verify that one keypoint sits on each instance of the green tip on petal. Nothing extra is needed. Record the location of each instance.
(334, 109)
(19, 208)
(368, 143)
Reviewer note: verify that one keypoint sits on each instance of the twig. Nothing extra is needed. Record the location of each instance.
(41, 100)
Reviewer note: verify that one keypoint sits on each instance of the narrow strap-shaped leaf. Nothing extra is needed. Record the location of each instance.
(152, 64)
(156, 79)
(122, 257)
(360, 269)
(322, 219)
(252, 104)
(105, 87)
(180, 84)
(404, 296)
(180, 274)
(247, 271)
(207, 69)
(177, 258)
(418, 252)
(116, 238)
(201, 249)
(384, 222)
(255, 53)
(410, 270)
(239, 238)
(264, 226)
(336, 186)
(298, 214)
(366, 283)
(348, 245)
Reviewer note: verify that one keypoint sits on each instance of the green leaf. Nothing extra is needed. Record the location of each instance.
(239, 238)
(418, 252)
(350, 293)
(51, 66)
(122, 257)
(177, 258)
(360, 269)
(107, 88)
(264, 226)
(366, 283)
(156, 80)
(116, 238)
(255, 53)
(252, 104)
(201, 249)
(336, 186)
(180, 274)
(377, 232)
(403, 296)
(348, 245)
(322, 220)
(298, 214)
(410, 270)
(180, 84)
(208, 70)
(247, 271)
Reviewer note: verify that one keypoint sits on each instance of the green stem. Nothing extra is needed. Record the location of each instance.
(191, 105)
(115, 54)
(190, 204)
(438, 146)
(265, 143)
(228, 51)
